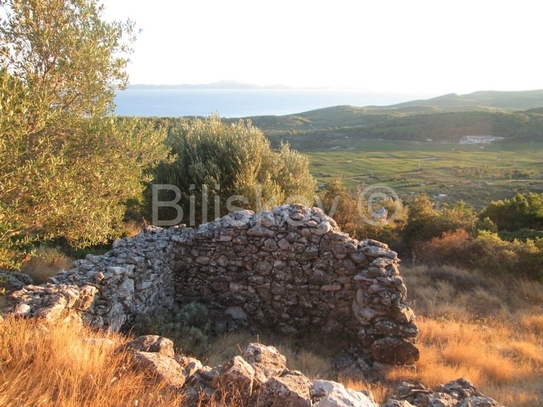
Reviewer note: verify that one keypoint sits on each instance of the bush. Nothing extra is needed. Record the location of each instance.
(486, 252)
(520, 212)
(350, 211)
(450, 248)
(425, 222)
(222, 167)
(188, 327)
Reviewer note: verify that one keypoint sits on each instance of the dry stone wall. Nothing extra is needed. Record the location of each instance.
(290, 270)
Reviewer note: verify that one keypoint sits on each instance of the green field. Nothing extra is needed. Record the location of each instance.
(414, 147)
(448, 172)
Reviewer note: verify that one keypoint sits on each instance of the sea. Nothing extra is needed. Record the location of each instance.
(175, 102)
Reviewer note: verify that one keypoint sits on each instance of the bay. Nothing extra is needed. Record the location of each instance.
(175, 102)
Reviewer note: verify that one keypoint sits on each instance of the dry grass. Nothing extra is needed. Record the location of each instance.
(227, 346)
(533, 323)
(312, 364)
(46, 262)
(486, 330)
(131, 228)
(379, 391)
(489, 331)
(56, 366)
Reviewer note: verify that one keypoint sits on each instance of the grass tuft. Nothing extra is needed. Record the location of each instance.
(46, 262)
(464, 332)
(56, 366)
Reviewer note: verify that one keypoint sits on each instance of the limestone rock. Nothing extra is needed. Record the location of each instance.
(22, 309)
(457, 393)
(479, 401)
(239, 376)
(459, 388)
(397, 403)
(160, 367)
(332, 394)
(266, 361)
(291, 389)
(151, 343)
(394, 351)
(189, 364)
(14, 280)
(440, 400)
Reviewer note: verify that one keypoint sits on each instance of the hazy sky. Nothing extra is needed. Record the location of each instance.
(399, 45)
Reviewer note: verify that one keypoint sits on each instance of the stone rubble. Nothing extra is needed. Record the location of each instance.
(289, 270)
(457, 393)
(259, 377)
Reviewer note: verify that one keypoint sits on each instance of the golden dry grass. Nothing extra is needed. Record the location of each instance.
(46, 262)
(489, 331)
(57, 366)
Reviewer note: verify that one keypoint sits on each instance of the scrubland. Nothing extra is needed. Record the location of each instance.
(486, 329)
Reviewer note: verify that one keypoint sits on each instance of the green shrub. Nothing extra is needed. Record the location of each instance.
(425, 222)
(519, 212)
(188, 327)
(214, 161)
(486, 252)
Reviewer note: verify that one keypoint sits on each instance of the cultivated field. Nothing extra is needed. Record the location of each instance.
(475, 174)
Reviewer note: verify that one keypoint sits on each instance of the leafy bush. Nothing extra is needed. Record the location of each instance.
(350, 211)
(188, 327)
(221, 167)
(425, 222)
(519, 212)
(450, 248)
(486, 252)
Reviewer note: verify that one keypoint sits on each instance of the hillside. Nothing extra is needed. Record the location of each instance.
(516, 116)
(414, 147)
(507, 100)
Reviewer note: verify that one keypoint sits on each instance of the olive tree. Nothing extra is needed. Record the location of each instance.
(221, 167)
(67, 165)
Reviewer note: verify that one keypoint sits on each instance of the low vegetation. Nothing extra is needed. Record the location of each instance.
(486, 329)
(447, 172)
(68, 365)
(220, 167)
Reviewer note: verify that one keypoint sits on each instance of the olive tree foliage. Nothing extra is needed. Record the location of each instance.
(67, 165)
(234, 166)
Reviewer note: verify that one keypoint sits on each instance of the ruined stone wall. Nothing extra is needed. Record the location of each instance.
(290, 269)
(108, 291)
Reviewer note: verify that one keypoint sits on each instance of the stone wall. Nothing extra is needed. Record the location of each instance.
(290, 270)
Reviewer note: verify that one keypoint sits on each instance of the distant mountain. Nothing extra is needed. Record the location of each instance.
(530, 101)
(214, 85)
(515, 116)
(507, 100)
